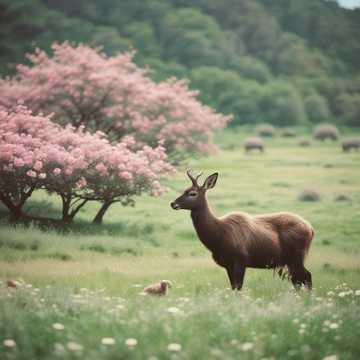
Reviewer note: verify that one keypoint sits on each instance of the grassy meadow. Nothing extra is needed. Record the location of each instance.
(79, 291)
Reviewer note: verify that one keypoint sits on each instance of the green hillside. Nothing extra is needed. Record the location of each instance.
(286, 62)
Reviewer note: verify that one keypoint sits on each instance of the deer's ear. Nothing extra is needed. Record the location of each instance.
(210, 181)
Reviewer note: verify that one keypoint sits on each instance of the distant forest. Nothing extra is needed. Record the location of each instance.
(285, 62)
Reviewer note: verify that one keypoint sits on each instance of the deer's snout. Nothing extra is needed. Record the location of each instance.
(175, 205)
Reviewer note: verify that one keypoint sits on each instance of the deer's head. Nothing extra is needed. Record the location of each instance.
(194, 197)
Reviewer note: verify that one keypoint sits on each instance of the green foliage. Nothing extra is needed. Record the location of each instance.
(283, 105)
(348, 106)
(251, 68)
(226, 90)
(142, 36)
(316, 108)
(309, 195)
(311, 46)
(109, 39)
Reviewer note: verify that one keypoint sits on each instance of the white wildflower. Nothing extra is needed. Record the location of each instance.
(108, 341)
(131, 343)
(333, 326)
(58, 326)
(173, 310)
(73, 346)
(357, 292)
(174, 347)
(247, 346)
(10, 343)
(331, 357)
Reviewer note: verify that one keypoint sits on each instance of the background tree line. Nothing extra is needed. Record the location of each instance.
(285, 62)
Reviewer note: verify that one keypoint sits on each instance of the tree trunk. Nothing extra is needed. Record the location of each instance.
(15, 211)
(69, 210)
(98, 219)
(16, 214)
(65, 208)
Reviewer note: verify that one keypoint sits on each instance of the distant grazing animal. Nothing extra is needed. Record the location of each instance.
(350, 143)
(238, 240)
(160, 288)
(254, 143)
(265, 130)
(326, 131)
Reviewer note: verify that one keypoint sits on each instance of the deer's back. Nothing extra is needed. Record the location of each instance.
(259, 244)
(295, 233)
(266, 239)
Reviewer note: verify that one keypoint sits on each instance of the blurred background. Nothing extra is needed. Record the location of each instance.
(283, 62)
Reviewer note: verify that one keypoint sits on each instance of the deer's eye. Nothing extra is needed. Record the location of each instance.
(192, 193)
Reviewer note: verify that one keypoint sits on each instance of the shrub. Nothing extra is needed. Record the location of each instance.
(288, 132)
(342, 197)
(304, 143)
(326, 131)
(317, 108)
(265, 130)
(59, 256)
(254, 143)
(93, 247)
(282, 104)
(309, 195)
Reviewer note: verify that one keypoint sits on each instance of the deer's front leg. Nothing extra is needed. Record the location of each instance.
(238, 276)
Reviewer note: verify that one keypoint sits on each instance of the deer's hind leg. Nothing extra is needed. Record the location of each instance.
(308, 279)
(299, 275)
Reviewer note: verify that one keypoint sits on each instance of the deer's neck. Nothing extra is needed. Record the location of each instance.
(206, 225)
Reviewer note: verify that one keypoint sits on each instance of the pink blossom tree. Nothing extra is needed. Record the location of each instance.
(22, 141)
(78, 166)
(123, 173)
(83, 86)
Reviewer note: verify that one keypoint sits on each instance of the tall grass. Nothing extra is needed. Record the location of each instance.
(89, 278)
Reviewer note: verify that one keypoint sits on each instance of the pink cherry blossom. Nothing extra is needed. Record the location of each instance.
(82, 86)
(36, 153)
(31, 173)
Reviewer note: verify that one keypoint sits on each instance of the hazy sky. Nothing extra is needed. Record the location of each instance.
(349, 3)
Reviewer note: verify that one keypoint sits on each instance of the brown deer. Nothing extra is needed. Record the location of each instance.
(238, 240)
